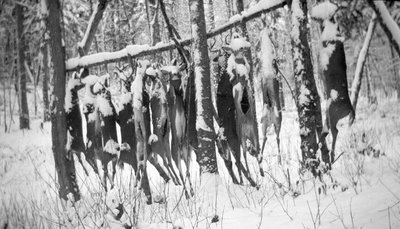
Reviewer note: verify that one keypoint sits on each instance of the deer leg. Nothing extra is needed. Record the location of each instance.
(226, 156)
(111, 176)
(187, 163)
(160, 170)
(168, 161)
(334, 132)
(179, 165)
(105, 175)
(278, 142)
(146, 186)
(325, 131)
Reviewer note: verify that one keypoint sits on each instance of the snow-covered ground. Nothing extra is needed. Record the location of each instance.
(364, 191)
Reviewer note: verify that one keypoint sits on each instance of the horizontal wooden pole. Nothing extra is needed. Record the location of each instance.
(135, 51)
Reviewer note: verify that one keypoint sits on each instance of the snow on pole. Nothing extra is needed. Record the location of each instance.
(135, 51)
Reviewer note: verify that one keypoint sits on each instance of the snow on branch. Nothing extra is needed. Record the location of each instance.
(135, 51)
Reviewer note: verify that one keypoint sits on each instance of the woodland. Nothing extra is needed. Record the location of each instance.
(199, 114)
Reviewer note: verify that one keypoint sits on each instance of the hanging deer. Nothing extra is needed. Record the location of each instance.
(271, 112)
(180, 148)
(333, 63)
(75, 143)
(102, 142)
(239, 72)
(227, 139)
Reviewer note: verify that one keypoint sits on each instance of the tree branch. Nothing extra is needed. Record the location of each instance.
(84, 45)
(136, 51)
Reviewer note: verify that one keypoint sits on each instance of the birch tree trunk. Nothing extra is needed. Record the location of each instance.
(23, 102)
(206, 155)
(305, 88)
(362, 57)
(395, 72)
(64, 163)
(390, 27)
(97, 15)
(209, 9)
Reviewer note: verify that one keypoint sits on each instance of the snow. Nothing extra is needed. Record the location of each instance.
(105, 56)
(104, 106)
(72, 84)
(324, 11)
(239, 43)
(153, 139)
(112, 147)
(304, 95)
(325, 55)
(330, 32)
(137, 85)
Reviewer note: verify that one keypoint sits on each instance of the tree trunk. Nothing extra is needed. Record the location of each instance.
(23, 102)
(395, 73)
(206, 155)
(64, 163)
(390, 27)
(362, 57)
(97, 15)
(209, 8)
(370, 89)
(308, 103)
(45, 81)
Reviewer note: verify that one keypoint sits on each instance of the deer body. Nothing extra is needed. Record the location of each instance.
(338, 105)
(272, 113)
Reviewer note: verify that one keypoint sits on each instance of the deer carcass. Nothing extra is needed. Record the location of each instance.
(102, 142)
(238, 69)
(271, 113)
(333, 63)
(75, 143)
(159, 139)
(227, 139)
(178, 119)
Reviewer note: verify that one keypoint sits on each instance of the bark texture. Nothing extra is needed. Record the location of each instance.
(206, 156)
(97, 15)
(362, 58)
(305, 87)
(390, 27)
(22, 100)
(64, 163)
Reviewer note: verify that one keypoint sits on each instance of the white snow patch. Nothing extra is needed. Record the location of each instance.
(304, 95)
(325, 54)
(104, 106)
(324, 10)
(330, 32)
(72, 84)
(111, 147)
(152, 139)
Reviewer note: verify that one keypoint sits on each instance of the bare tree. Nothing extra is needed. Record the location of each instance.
(206, 155)
(22, 99)
(308, 104)
(390, 27)
(64, 163)
(362, 58)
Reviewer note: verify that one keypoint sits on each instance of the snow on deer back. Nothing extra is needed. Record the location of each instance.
(332, 56)
(238, 67)
(137, 84)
